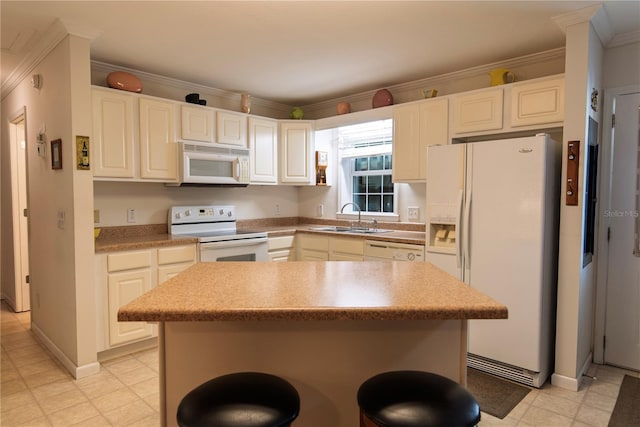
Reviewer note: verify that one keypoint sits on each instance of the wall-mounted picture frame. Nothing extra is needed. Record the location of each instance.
(56, 154)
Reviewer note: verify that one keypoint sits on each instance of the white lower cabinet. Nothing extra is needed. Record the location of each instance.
(313, 247)
(346, 249)
(125, 275)
(282, 248)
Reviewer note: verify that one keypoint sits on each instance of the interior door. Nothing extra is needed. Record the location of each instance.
(622, 324)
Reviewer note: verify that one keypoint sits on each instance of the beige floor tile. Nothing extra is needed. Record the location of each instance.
(605, 388)
(20, 415)
(487, 420)
(129, 414)
(150, 421)
(11, 387)
(69, 399)
(44, 365)
(146, 387)
(575, 396)
(38, 422)
(47, 391)
(17, 400)
(124, 366)
(95, 390)
(153, 400)
(114, 400)
(97, 421)
(593, 416)
(600, 401)
(137, 375)
(41, 378)
(77, 414)
(541, 417)
(559, 405)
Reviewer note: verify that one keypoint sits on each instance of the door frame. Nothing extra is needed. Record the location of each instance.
(602, 248)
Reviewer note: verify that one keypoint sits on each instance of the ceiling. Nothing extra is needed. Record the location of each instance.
(300, 52)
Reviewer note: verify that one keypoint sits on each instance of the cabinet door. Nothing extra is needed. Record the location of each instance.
(406, 143)
(537, 103)
(197, 123)
(478, 111)
(158, 148)
(346, 249)
(231, 128)
(312, 247)
(263, 147)
(311, 255)
(296, 160)
(415, 127)
(123, 288)
(113, 137)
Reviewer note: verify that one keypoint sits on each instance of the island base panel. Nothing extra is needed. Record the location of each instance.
(326, 361)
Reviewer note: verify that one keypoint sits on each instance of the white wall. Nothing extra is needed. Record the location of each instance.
(622, 66)
(61, 257)
(576, 284)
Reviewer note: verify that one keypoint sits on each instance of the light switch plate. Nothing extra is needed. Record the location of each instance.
(413, 212)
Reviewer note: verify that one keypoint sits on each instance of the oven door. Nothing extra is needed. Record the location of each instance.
(235, 250)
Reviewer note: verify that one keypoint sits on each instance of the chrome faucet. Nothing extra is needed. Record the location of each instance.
(357, 207)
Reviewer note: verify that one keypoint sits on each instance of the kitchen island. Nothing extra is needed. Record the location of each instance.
(324, 326)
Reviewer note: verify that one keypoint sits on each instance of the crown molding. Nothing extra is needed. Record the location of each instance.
(53, 35)
(596, 15)
(624, 38)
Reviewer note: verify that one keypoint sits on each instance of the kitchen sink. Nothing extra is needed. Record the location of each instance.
(343, 229)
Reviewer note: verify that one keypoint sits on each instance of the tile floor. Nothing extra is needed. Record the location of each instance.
(37, 391)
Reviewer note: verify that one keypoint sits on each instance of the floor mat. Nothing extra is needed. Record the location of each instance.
(494, 395)
(627, 410)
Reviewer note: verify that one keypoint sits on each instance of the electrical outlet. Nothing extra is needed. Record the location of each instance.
(96, 216)
(277, 210)
(131, 215)
(61, 219)
(413, 212)
(320, 210)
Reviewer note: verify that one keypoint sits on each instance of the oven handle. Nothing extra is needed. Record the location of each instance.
(233, 243)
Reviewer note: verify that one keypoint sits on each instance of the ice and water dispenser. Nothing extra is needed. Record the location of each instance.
(442, 226)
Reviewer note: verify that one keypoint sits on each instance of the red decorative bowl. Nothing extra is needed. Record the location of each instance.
(382, 98)
(124, 81)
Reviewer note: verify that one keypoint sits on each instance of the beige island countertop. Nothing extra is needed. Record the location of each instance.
(312, 291)
(324, 326)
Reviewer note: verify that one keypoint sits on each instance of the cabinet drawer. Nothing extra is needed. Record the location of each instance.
(176, 254)
(283, 242)
(128, 261)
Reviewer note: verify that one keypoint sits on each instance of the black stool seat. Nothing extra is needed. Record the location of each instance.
(243, 399)
(417, 399)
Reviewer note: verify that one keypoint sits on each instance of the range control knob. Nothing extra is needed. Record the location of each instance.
(229, 214)
(411, 256)
(221, 212)
(178, 215)
(187, 212)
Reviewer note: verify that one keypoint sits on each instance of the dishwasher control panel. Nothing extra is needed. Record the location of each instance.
(385, 251)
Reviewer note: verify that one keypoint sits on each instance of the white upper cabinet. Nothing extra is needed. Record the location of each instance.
(113, 134)
(231, 128)
(158, 148)
(197, 123)
(477, 111)
(415, 126)
(540, 102)
(296, 157)
(263, 151)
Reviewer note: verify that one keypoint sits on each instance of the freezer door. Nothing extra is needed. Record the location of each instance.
(445, 187)
(506, 244)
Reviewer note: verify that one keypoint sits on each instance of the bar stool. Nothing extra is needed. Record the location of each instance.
(242, 399)
(415, 399)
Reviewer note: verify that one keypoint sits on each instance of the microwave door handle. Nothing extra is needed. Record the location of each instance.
(236, 162)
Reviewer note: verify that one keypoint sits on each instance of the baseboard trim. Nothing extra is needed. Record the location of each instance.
(565, 382)
(76, 371)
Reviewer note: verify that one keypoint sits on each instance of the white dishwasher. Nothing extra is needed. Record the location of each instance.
(375, 250)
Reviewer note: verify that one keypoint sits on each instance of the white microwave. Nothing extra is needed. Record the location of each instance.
(206, 164)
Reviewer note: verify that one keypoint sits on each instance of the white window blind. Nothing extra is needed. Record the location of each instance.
(365, 139)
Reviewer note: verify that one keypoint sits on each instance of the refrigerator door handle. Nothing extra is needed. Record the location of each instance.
(467, 231)
(458, 233)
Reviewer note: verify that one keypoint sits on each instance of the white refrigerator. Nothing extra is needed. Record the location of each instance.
(492, 221)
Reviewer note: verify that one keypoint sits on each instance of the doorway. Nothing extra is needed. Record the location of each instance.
(618, 328)
(18, 295)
